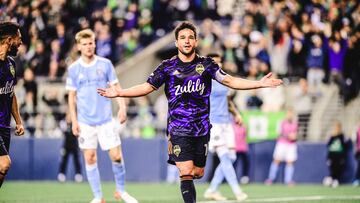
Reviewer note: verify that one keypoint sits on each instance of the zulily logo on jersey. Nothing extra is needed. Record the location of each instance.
(190, 87)
(9, 88)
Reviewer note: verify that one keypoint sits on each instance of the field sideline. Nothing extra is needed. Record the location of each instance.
(54, 192)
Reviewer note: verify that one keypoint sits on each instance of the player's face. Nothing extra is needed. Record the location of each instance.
(186, 42)
(15, 43)
(86, 46)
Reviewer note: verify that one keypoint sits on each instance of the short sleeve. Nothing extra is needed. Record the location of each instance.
(157, 78)
(215, 71)
(111, 74)
(71, 80)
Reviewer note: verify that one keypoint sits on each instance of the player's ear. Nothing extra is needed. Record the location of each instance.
(78, 46)
(176, 44)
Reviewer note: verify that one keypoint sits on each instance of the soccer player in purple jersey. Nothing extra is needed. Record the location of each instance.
(10, 40)
(187, 79)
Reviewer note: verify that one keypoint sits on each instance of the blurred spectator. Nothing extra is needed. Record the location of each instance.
(57, 66)
(297, 54)
(242, 156)
(41, 60)
(104, 41)
(336, 157)
(70, 147)
(357, 157)
(285, 149)
(315, 63)
(253, 102)
(352, 66)
(302, 106)
(279, 48)
(273, 98)
(28, 109)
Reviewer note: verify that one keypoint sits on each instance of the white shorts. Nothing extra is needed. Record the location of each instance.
(105, 134)
(221, 135)
(285, 152)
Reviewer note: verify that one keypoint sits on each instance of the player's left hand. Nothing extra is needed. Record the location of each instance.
(19, 130)
(238, 119)
(267, 81)
(122, 116)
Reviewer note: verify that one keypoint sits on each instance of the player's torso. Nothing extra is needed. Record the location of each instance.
(88, 78)
(7, 85)
(188, 87)
(91, 77)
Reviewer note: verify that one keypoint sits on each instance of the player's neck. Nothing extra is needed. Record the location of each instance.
(184, 58)
(2, 55)
(88, 59)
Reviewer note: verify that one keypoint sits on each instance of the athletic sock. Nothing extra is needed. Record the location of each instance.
(289, 172)
(119, 174)
(217, 179)
(188, 191)
(273, 170)
(229, 172)
(93, 177)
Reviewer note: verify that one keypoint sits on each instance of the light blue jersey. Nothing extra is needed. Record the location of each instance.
(92, 109)
(219, 110)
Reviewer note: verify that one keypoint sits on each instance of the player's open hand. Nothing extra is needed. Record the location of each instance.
(19, 129)
(267, 81)
(109, 92)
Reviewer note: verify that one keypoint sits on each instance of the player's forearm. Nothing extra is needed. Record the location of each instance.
(136, 91)
(72, 106)
(242, 84)
(15, 111)
(120, 101)
(232, 108)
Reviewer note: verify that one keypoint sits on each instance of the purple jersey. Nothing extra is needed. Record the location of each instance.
(187, 88)
(7, 85)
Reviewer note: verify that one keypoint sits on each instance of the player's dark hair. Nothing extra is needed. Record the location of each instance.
(8, 28)
(185, 25)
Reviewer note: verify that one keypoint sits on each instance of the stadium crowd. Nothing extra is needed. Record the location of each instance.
(309, 43)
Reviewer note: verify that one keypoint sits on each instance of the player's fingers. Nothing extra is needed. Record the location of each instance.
(268, 75)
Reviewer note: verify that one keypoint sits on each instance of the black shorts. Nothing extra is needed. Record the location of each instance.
(4, 141)
(181, 148)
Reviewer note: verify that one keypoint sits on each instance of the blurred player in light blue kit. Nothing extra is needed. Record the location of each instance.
(222, 139)
(91, 114)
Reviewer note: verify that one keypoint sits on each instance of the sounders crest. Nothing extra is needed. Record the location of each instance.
(12, 70)
(176, 150)
(199, 68)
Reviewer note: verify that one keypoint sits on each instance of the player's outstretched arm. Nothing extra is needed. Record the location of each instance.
(135, 91)
(244, 84)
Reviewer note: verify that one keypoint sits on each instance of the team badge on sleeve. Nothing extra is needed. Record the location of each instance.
(199, 68)
(12, 70)
(177, 150)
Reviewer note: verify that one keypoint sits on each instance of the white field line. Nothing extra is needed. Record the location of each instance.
(288, 199)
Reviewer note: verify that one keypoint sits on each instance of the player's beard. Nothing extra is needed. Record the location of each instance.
(187, 53)
(13, 50)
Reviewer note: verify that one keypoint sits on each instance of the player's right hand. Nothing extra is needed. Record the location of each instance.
(75, 129)
(19, 129)
(109, 92)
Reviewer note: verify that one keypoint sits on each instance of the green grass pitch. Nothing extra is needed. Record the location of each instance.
(54, 192)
